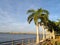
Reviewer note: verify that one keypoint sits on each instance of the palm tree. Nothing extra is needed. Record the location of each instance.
(59, 23)
(57, 27)
(53, 28)
(35, 15)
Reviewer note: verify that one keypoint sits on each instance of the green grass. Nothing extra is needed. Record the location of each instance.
(53, 42)
(58, 43)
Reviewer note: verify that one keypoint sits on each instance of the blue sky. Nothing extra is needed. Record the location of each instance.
(13, 13)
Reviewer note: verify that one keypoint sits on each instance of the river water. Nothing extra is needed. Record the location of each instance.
(9, 37)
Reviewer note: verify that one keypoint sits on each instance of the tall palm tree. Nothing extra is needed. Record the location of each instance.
(59, 23)
(35, 15)
(53, 27)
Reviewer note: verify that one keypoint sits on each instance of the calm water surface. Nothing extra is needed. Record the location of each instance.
(9, 37)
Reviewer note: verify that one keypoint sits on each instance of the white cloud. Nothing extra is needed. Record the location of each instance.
(9, 24)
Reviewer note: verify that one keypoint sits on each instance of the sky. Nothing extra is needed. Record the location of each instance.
(13, 13)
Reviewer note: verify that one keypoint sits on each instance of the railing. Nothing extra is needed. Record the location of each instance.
(19, 42)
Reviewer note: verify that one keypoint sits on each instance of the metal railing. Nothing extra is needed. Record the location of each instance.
(19, 42)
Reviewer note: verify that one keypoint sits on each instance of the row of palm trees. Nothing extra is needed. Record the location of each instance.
(42, 15)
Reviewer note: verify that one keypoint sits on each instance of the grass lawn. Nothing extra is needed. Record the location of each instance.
(56, 41)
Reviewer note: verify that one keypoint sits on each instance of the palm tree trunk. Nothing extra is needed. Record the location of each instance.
(37, 34)
(50, 35)
(43, 32)
(46, 34)
(53, 34)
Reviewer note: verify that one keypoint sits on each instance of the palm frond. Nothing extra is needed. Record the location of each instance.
(31, 11)
(30, 18)
(35, 19)
(38, 14)
(45, 11)
(39, 10)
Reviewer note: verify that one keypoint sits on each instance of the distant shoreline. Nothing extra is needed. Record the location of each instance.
(16, 33)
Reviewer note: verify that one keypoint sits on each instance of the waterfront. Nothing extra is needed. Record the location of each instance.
(10, 37)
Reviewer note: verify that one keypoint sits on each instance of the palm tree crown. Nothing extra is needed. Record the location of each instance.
(38, 14)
